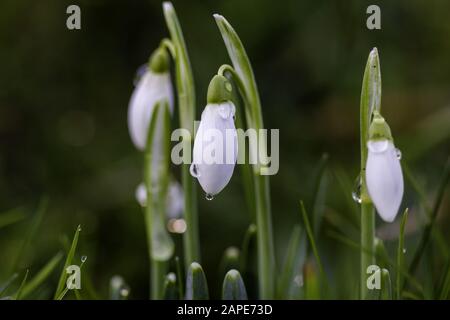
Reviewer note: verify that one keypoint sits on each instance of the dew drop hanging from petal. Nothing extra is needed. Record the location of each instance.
(209, 196)
(398, 154)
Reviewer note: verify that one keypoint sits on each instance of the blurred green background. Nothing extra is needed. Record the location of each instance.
(63, 123)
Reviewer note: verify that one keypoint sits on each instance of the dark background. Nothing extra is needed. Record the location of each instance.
(63, 120)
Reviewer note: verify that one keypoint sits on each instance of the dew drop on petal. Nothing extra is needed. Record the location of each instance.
(194, 170)
(356, 193)
(398, 153)
(209, 196)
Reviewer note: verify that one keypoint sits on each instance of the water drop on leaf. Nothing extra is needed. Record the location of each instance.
(356, 193)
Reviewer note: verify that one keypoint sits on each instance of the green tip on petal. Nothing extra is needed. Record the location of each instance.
(159, 61)
(379, 129)
(219, 90)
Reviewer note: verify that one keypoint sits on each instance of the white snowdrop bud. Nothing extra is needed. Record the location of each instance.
(153, 87)
(215, 144)
(384, 178)
(174, 200)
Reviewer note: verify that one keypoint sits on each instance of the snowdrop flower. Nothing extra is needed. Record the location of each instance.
(153, 87)
(215, 144)
(384, 176)
(174, 200)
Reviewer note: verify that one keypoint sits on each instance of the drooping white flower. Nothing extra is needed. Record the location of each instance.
(215, 144)
(174, 200)
(384, 178)
(154, 86)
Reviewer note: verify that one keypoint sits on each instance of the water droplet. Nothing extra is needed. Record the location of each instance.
(79, 228)
(398, 153)
(356, 193)
(83, 258)
(139, 73)
(194, 171)
(404, 250)
(209, 197)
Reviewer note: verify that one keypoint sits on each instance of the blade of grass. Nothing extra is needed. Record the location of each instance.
(179, 278)
(18, 293)
(312, 241)
(318, 196)
(70, 254)
(445, 286)
(42, 275)
(66, 289)
(291, 264)
(34, 226)
(8, 283)
(355, 245)
(432, 219)
(196, 285)
(386, 286)
(401, 254)
(249, 234)
(12, 216)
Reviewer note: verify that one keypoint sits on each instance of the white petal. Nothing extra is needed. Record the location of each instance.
(174, 200)
(215, 147)
(384, 178)
(151, 88)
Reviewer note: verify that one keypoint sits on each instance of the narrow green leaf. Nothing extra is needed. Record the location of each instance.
(42, 275)
(34, 227)
(311, 240)
(401, 254)
(319, 194)
(249, 234)
(184, 77)
(66, 289)
(170, 287)
(445, 283)
(179, 277)
(8, 283)
(429, 227)
(12, 216)
(381, 255)
(292, 264)
(196, 285)
(233, 286)
(70, 254)
(18, 294)
(386, 286)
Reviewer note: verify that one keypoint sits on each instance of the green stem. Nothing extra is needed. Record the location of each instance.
(370, 101)
(186, 103)
(242, 73)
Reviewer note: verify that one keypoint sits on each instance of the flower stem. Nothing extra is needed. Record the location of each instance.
(370, 101)
(243, 76)
(186, 103)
